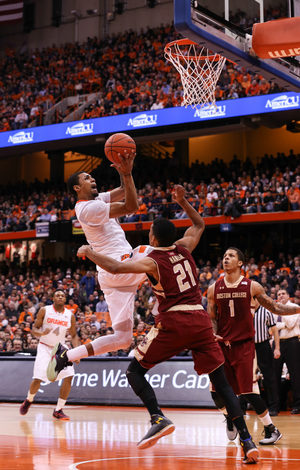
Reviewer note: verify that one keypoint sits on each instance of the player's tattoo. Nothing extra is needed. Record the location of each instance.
(275, 307)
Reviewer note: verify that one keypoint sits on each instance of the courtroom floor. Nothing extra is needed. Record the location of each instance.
(101, 437)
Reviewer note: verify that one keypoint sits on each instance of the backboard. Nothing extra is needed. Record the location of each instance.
(225, 27)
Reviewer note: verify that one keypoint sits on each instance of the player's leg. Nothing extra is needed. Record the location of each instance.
(224, 395)
(231, 430)
(160, 424)
(63, 395)
(33, 389)
(245, 372)
(159, 345)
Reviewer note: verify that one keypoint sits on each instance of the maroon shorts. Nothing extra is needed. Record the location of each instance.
(176, 331)
(239, 360)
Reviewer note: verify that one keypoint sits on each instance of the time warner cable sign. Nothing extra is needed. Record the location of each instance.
(149, 119)
(103, 381)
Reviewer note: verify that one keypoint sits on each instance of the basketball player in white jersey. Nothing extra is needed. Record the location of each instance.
(51, 325)
(97, 214)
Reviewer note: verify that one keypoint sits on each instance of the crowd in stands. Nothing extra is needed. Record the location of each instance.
(213, 189)
(127, 71)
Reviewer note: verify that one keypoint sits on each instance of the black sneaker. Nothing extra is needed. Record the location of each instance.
(231, 430)
(250, 451)
(272, 435)
(161, 426)
(59, 361)
(25, 407)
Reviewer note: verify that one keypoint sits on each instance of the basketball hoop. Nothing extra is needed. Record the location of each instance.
(199, 71)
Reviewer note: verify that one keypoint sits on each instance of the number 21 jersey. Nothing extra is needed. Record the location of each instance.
(178, 283)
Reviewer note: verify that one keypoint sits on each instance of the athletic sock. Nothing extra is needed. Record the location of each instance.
(30, 396)
(77, 353)
(60, 404)
(266, 420)
(240, 425)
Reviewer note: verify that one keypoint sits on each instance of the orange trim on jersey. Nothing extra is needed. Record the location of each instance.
(142, 248)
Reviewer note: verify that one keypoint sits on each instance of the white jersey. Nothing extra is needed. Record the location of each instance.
(103, 233)
(59, 324)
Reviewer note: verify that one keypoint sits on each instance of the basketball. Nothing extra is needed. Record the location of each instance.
(117, 143)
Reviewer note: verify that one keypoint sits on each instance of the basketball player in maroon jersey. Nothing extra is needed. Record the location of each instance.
(229, 305)
(181, 323)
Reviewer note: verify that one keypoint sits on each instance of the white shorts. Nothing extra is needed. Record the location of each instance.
(120, 289)
(41, 363)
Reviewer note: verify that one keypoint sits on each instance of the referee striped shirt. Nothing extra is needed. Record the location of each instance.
(263, 320)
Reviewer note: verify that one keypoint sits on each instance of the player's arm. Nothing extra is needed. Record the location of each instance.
(130, 203)
(258, 293)
(36, 328)
(193, 234)
(145, 265)
(118, 194)
(73, 333)
(212, 307)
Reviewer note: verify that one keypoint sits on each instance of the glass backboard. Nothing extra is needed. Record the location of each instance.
(225, 27)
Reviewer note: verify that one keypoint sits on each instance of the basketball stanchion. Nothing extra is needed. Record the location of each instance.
(199, 71)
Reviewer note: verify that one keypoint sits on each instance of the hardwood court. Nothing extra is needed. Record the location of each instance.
(106, 437)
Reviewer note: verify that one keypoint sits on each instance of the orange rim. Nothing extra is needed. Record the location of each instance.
(188, 42)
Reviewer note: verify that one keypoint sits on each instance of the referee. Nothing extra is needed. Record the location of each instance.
(263, 323)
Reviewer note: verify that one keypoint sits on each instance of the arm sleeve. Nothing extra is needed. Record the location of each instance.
(95, 212)
(104, 196)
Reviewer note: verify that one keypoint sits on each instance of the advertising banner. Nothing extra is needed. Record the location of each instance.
(42, 229)
(162, 117)
(102, 381)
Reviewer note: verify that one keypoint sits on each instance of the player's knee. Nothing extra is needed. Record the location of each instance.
(122, 339)
(256, 402)
(135, 375)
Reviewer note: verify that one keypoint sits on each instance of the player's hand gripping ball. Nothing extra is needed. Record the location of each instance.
(117, 143)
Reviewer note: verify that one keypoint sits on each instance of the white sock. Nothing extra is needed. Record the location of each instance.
(266, 420)
(77, 353)
(30, 397)
(60, 404)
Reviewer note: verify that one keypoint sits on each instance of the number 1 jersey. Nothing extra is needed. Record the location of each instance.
(235, 319)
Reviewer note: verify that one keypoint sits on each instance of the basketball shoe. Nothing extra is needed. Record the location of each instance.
(250, 451)
(231, 430)
(160, 426)
(59, 414)
(272, 435)
(59, 361)
(25, 407)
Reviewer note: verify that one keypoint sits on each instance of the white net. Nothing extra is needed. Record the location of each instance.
(199, 71)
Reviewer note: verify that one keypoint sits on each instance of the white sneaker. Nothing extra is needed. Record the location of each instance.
(231, 430)
(272, 435)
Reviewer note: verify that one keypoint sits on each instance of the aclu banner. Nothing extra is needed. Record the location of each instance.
(102, 381)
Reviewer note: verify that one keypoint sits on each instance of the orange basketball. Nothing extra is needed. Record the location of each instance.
(117, 143)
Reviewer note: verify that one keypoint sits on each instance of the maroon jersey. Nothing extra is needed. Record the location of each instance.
(178, 283)
(235, 320)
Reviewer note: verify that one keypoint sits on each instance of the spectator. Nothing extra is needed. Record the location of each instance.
(101, 306)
